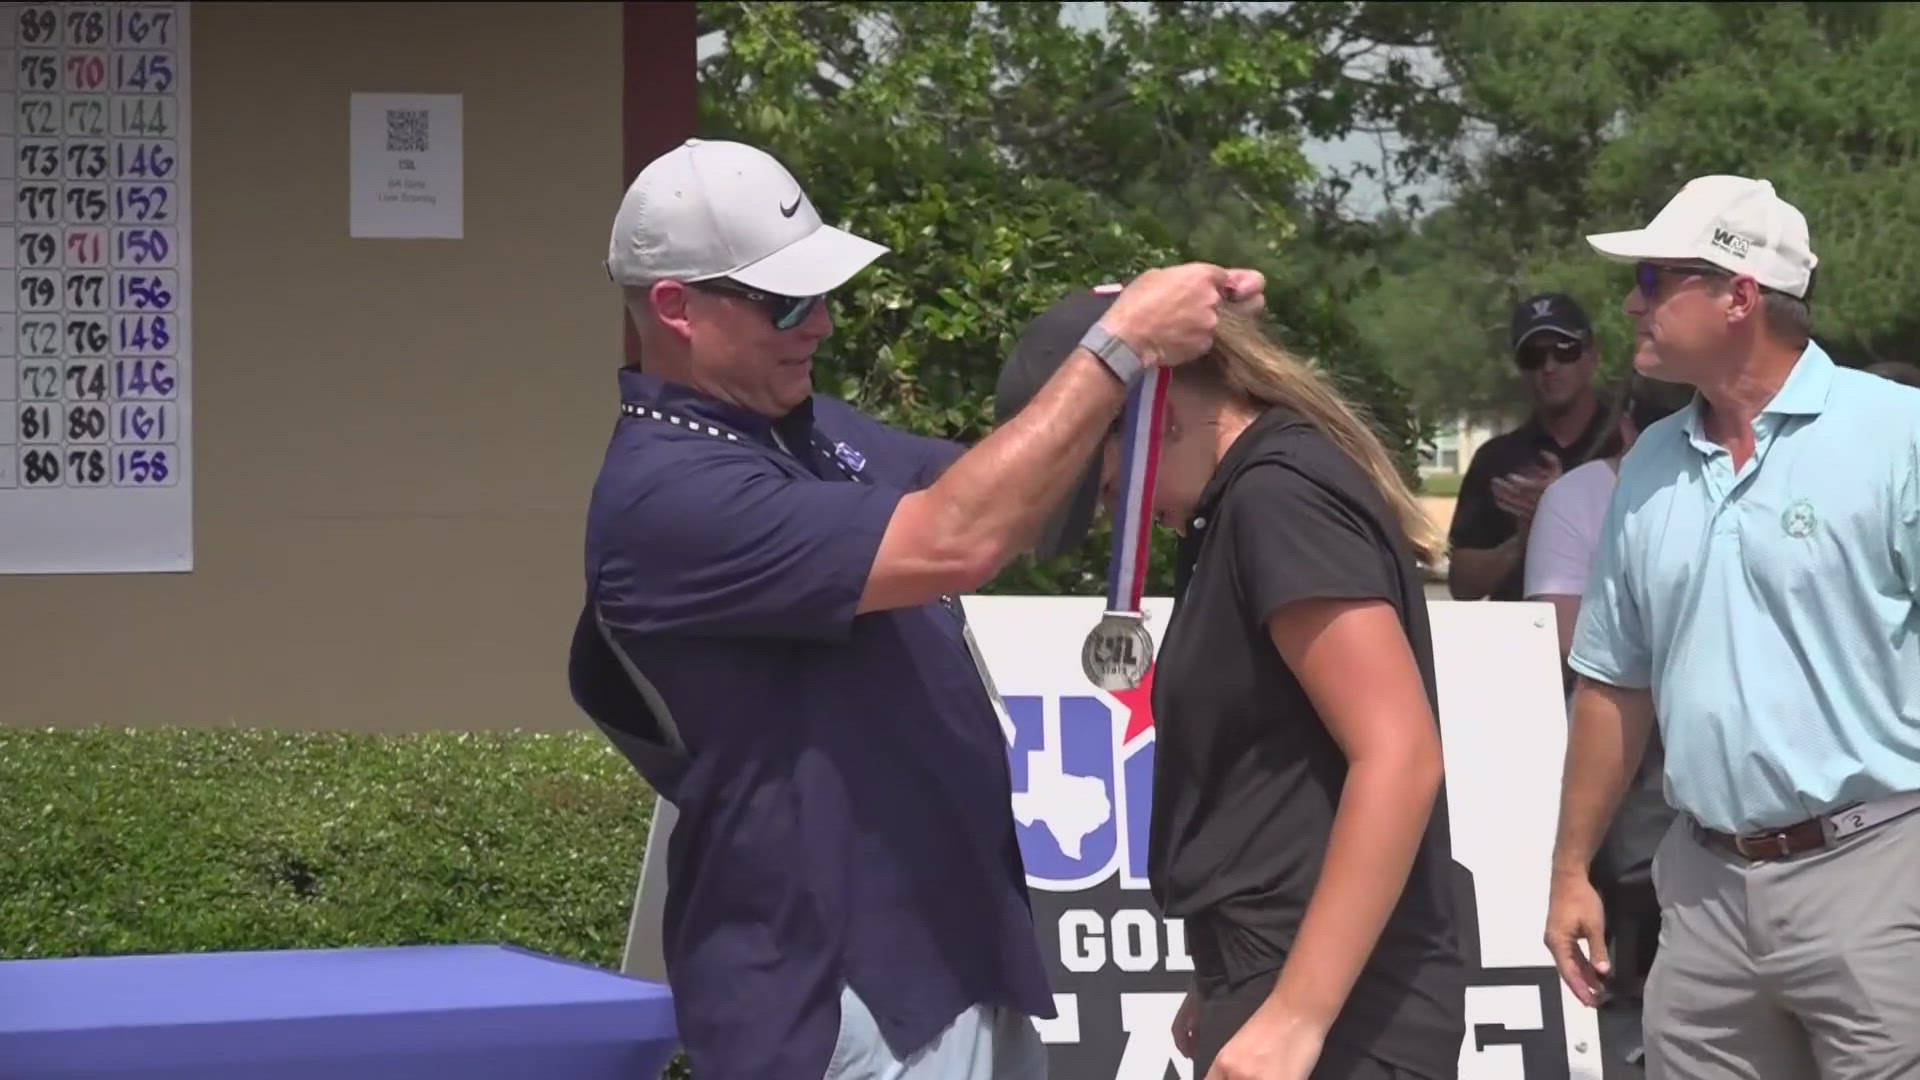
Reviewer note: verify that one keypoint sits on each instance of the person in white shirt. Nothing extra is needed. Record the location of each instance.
(1560, 548)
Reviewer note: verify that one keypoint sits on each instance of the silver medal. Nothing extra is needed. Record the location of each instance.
(1117, 652)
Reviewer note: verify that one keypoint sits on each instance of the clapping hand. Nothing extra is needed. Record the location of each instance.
(1518, 493)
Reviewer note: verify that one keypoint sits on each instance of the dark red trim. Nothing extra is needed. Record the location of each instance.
(660, 92)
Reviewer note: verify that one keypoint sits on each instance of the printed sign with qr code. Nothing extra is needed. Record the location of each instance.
(407, 131)
(405, 170)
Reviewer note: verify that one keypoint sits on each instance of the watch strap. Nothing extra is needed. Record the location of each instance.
(1119, 356)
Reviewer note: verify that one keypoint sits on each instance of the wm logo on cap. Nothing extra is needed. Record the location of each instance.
(1728, 242)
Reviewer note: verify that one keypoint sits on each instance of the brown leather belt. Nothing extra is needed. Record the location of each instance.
(1796, 839)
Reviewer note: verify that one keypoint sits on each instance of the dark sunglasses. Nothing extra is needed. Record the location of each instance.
(1535, 354)
(785, 312)
(1647, 275)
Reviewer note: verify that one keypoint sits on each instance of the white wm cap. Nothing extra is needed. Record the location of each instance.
(1732, 222)
(724, 209)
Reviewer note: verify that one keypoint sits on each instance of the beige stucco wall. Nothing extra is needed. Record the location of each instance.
(394, 439)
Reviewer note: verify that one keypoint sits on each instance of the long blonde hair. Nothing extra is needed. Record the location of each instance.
(1246, 364)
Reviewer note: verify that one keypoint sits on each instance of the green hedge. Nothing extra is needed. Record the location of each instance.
(189, 841)
(174, 841)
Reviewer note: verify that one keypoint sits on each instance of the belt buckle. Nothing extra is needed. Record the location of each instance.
(1777, 839)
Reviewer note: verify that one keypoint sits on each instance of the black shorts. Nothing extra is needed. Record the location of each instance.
(1223, 1010)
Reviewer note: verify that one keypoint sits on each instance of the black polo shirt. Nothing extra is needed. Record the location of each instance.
(1478, 521)
(845, 801)
(1247, 778)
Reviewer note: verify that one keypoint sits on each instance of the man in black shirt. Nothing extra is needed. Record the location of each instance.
(1554, 350)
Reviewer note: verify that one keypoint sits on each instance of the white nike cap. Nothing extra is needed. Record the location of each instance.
(724, 209)
(1733, 222)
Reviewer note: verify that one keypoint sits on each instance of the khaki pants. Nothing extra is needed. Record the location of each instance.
(1795, 969)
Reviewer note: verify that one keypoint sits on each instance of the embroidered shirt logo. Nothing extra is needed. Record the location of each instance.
(1798, 521)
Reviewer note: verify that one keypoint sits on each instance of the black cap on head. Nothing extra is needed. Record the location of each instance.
(1042, 347)
(1553, 313)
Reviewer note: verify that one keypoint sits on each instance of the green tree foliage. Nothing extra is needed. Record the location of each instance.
(1587, 117)
(1008, 157)
(1437, 316)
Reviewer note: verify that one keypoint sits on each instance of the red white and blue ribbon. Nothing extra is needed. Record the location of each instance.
(1140, 427)
(1118, 653)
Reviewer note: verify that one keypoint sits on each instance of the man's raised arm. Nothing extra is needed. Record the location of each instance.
(989, 505)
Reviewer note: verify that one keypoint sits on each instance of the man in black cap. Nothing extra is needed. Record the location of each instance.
(1554, 350)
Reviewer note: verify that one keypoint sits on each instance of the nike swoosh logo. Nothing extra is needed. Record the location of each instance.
(789, 211)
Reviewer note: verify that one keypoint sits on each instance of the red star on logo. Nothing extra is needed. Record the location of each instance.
(1139, 706)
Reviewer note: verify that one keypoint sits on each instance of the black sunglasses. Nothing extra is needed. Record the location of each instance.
(1647, 275)
(1535, 354)
(785, 312)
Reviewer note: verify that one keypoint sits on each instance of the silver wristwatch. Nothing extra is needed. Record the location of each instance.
(1119, 356)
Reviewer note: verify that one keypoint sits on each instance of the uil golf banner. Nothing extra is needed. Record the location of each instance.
(1081, 759)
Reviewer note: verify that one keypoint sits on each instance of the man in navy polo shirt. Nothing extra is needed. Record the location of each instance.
(771, 635)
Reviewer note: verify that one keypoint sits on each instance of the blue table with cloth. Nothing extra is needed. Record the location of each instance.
(482, 1012)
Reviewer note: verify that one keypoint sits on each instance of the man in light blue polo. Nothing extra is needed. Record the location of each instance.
(1757, 581)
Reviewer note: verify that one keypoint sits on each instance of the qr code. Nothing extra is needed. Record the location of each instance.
(406, 131)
